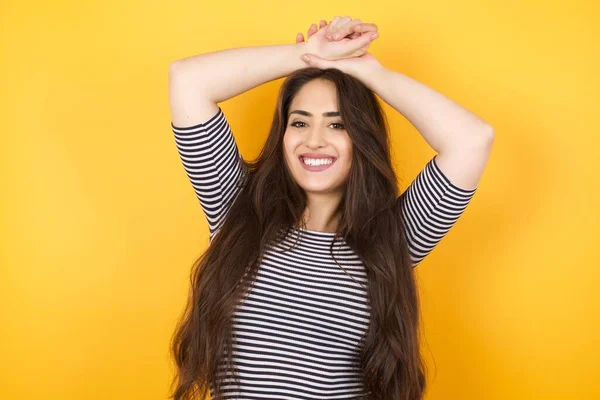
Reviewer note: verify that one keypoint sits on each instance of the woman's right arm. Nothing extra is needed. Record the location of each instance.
(198, 83)
(203, 136)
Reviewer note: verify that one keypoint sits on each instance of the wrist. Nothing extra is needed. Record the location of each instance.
(369, 74)
(301, 49)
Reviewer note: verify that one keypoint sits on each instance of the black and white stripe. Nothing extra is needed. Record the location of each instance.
(211, 159)
(431, 205)
(297, 333)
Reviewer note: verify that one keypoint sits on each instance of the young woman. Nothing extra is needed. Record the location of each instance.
(307, 288)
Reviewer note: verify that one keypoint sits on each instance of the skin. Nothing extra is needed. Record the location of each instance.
(322, 135)
(341, 29)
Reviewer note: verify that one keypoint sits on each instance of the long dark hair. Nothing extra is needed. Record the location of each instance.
(269, 203)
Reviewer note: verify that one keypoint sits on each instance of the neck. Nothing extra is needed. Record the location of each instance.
(320, 214)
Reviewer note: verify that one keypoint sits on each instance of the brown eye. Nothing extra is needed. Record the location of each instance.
(337, 123)
(296, 122)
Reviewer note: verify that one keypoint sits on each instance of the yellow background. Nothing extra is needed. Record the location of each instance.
(100, 225)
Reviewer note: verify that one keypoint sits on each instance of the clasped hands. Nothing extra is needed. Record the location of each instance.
(341, 44)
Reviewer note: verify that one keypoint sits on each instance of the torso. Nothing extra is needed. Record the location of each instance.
(298, 331)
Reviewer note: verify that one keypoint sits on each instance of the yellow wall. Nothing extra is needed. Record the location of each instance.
(100, 225)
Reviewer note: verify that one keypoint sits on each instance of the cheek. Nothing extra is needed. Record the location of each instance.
(290, 143)
(347, 161)
(288, 154)
(345, 149)
(287, 148)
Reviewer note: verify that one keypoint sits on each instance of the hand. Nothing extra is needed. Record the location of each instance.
(339, 29)
(367, 63)
(357, 38)
(311, 31)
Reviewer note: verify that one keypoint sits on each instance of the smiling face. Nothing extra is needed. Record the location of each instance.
(317, 148)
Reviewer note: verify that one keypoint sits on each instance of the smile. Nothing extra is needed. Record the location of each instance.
(316, 164)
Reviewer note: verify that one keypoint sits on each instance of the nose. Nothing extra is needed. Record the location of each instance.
(315, 138)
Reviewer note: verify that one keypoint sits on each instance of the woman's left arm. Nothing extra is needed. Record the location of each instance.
(462, 139)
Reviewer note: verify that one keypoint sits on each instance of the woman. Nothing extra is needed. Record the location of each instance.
(307, 288)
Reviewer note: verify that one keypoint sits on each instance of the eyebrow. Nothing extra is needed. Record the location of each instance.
(325, 114)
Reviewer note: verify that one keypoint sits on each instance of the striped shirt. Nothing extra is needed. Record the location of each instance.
(297, 333)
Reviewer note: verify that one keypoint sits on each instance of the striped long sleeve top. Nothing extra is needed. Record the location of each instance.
(297, 333)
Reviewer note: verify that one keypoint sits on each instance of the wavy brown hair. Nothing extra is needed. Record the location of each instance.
(269, 203)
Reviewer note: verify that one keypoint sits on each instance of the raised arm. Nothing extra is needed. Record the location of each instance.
(438, 196)
(203, 136)
(204, 139)
(462, 139)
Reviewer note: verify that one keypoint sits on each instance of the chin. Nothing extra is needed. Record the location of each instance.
(320, 189)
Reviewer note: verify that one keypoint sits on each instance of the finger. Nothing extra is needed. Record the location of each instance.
(359, 42)
(332, 26)
(299, 38)
(364, 27)
(362, 50)
(334, 21)
(313, 61)
(322, 24)
(311, 30)
(341, 22)
(358, 52)
(343, 29)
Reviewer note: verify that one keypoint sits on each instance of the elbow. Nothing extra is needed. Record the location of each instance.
(489, 135)
(489, 130)
(478, 139)
(485, 135)
(173, 68)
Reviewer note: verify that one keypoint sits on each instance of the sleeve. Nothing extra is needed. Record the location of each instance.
(213, 163)
(430, 206)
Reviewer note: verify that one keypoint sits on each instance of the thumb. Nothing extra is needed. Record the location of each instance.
(315, 61)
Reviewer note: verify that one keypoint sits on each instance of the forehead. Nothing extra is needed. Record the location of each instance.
(316, 95)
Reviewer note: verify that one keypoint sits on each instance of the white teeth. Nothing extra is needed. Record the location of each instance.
(317, 161)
